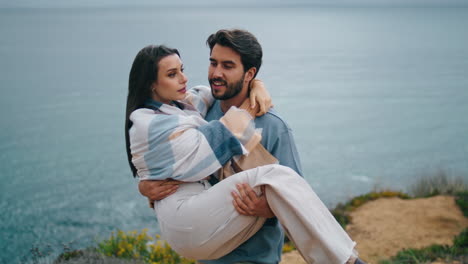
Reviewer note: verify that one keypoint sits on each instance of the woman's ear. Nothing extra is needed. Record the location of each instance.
(154, 91)
(153, 87)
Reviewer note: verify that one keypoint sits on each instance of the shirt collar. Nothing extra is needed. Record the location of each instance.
(156, 105)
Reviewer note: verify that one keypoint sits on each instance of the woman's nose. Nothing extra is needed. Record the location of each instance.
(184, 78)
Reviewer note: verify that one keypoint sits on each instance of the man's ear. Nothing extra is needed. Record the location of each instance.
(249, 75)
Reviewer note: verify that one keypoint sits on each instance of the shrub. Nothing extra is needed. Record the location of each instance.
(288, 247)
(139, 246)
(439, 183)
(461, 199)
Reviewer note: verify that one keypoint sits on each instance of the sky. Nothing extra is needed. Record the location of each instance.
(207, 3)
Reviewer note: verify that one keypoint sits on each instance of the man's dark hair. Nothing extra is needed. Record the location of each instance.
(241, 41)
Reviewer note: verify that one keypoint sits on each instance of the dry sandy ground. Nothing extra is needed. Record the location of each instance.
(383, 227)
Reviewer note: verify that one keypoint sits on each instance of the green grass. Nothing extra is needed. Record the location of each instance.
(440, 183)
(457, 252)
(342, 211)
(139, 248)
(92, 256)
(461, 198)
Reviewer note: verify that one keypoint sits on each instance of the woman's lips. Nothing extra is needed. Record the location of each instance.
(183, 90)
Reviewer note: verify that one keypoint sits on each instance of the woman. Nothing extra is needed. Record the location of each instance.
(168, 138)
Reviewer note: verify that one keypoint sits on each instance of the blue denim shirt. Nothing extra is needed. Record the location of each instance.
(266, 245)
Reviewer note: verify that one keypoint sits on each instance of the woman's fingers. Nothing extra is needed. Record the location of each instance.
(260, 97)
(253, 100)
(261, 110)
(246, 105)
(264, 104)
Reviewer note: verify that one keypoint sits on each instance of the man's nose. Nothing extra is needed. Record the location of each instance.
(217, 72)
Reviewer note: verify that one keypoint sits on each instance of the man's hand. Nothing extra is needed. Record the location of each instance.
(248, 203)
(158, 190)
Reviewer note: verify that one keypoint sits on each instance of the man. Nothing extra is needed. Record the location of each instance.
(235, 54)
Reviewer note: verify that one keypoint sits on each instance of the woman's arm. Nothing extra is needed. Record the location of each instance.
(156, 190)
(202, 99)
(185, 147)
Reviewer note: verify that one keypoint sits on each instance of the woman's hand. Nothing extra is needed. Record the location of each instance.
(259, 96)
(157, 190)
(246, 105)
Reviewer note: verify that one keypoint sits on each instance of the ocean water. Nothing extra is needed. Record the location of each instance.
(376, 97)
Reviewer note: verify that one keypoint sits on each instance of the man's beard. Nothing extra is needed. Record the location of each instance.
(232, 89)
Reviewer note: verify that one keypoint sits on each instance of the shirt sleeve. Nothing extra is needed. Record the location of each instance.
(280, 143)
(286, 152)
(234, 134)
(188, 148)
(200, 97)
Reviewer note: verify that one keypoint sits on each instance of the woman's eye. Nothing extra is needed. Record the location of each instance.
(172, 75)
(182, 69)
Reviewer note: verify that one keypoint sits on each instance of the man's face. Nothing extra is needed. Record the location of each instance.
(225, 73)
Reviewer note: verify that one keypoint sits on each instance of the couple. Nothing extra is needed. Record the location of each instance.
(192, 166)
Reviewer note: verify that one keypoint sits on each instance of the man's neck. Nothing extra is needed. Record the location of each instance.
(234, 101)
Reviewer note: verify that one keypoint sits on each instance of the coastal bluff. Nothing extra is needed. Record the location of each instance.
(385, 226)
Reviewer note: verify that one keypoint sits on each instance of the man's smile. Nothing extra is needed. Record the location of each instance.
(217, 83)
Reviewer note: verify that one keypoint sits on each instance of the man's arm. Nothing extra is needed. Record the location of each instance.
(246, 201)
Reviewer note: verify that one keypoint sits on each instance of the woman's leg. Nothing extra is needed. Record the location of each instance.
(200, 222)
(307, 221)
(203, 224)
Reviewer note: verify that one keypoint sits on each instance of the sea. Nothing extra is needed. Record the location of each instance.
(376, 98)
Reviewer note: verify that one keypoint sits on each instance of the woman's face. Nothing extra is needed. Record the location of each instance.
(171, 83)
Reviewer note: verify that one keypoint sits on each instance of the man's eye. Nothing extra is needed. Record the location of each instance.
(227, 66)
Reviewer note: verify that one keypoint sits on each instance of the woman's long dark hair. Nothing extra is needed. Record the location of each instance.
(143, 74)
